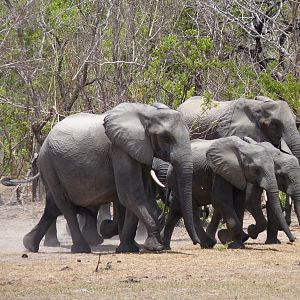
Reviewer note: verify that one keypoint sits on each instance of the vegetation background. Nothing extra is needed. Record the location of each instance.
(59, 57)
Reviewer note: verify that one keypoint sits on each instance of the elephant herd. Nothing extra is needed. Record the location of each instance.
(224, 154)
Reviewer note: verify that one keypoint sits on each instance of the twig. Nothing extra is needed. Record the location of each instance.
(97, 268)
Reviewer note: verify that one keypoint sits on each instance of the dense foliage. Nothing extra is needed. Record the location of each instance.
(59, 57)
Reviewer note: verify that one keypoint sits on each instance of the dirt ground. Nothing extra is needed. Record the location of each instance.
(186, 272)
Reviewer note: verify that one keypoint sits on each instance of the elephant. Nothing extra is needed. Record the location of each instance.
(287, 172)
(88, 218)
(221, 170)
(88, 159)
(109, 228)
(261, 119)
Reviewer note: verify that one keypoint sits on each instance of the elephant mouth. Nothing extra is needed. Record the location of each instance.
(162, 154)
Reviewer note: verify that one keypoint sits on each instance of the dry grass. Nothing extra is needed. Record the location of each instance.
(187, 272)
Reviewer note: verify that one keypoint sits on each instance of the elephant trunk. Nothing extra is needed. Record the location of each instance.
(273, 197)
(296, 197)
(183, 168)
(292, 139)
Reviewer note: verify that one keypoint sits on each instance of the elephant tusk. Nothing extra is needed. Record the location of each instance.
(154, 177)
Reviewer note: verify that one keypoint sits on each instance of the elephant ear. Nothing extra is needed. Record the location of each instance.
(224, 159)
(125, 128)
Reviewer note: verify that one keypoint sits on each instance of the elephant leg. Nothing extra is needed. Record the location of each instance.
(173, 217)
(119, 212)
(109, 228)
(272, 227)
(89, 229)
(79, 243)
(131, 193)
(104, 212)
(31, 240)
(253, 205)
(261, 222)
(214, 224)
(223, 200)
(288, 209)
(51, 239)
(69, 211)
(239, 206)
(205, 240)
(127, 243)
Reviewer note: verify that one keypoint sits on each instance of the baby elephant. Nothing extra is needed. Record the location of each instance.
(287, 172)
(221, 170)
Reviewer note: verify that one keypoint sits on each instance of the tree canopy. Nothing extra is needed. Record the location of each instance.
(58, 57)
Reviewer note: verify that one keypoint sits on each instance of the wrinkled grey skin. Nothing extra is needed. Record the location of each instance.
(261, 119)
(287, 172)
(221, 170)
(109, 228)
(87, 160)
(89, 223)
(87, 218)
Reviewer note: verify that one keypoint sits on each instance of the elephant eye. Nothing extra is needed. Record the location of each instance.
(256, 170)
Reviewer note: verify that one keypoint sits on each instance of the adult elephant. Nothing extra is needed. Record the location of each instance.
(221, 170)
(90, 159)
(261, 119)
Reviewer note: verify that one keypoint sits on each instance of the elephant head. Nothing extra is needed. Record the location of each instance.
(276, 120)
(262, 119)
(145, 132)
(239, 162)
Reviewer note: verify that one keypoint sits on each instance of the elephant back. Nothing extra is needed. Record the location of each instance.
(207, 120)
(76, 135)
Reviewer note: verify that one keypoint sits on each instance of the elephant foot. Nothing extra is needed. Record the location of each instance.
(51, 242)
(236, 245)
(153, 244)
(127, 248)
(270, 241)
(29, 243)
(223, 236)
(252, 231)
(208, 243)
(92, 237)
(167, 247)
(211, 235)
(165, 243)
(81, 248)
(245, 237)
(109, 228)
(94, 240)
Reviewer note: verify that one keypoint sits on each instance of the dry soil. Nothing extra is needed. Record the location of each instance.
(186, 272)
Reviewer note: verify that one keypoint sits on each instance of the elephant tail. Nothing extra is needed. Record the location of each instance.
(13, 182)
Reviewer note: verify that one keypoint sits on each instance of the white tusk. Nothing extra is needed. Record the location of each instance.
(265, 195)
(153, 175)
